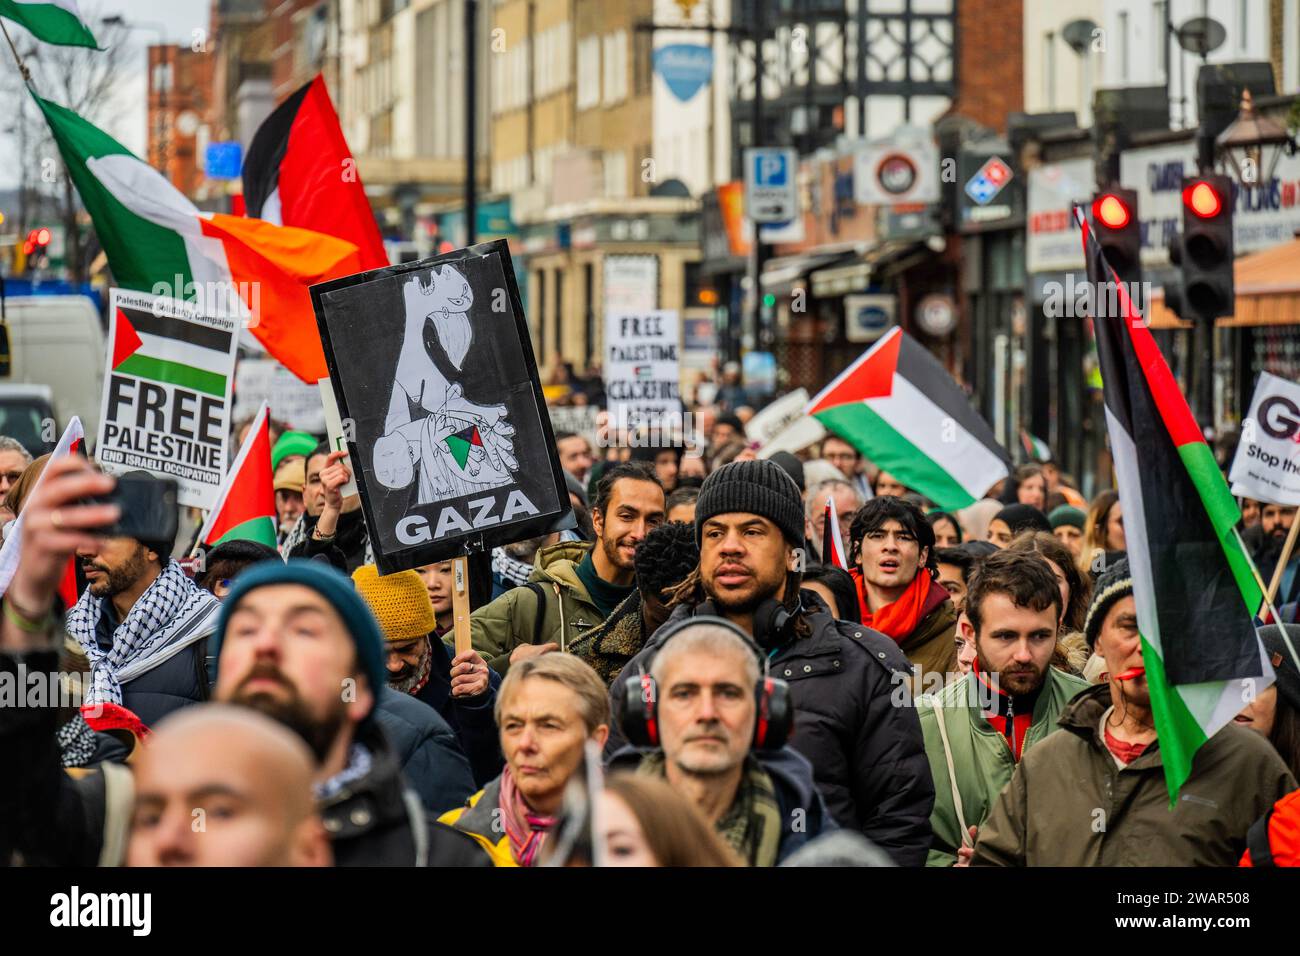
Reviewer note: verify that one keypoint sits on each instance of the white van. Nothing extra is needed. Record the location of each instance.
(58, 341)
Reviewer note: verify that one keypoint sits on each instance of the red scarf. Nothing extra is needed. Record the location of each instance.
(527, 830)
(900, 618)
(1124, 751)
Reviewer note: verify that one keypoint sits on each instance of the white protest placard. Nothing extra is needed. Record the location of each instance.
(1267, 464)
(582, 420)
(642, 374)
(795, 437)
(259, 380)
(777, 416)
(334, 429)
(166, 406)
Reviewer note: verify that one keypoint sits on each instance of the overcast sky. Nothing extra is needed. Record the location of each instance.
(176, 18)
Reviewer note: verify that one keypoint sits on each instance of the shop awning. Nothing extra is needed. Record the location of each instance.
(1268, 291)
(857, 275)
(780, 274)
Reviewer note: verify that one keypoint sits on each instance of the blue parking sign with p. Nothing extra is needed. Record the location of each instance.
(770, 169)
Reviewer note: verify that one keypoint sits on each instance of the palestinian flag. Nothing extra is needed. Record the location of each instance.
(300, 172)
(53, 21)
(154, 236)
(832, 541)
(245, 505)
(170, 350)
(900, 407)
(1195, 594)
(1035, 448)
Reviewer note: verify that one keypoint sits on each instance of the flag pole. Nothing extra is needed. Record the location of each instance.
(1254, 569)
(22, 67)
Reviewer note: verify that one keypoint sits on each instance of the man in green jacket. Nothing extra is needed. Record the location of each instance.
(977, 728)
(1095, 794)
(575, 585)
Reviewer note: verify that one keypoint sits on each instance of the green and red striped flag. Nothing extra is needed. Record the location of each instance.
(53, 21)
(898, 406)
(1195, 593)
(245, 505)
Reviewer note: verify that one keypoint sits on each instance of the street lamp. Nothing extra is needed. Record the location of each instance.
(1252, 144)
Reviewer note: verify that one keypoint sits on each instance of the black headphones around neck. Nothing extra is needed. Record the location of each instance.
(775, 715)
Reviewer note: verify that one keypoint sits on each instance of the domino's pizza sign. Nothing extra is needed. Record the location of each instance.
(988, 181)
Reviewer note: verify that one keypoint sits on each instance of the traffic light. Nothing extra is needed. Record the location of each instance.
(1205, 249)
(37, 241)
(1115, 218)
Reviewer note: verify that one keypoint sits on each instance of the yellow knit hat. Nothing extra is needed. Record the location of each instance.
(400, 602)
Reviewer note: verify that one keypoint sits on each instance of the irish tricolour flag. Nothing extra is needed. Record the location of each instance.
(900, 407)
(246, 504)
(54, 21)
(154, 236)
(1193, 588)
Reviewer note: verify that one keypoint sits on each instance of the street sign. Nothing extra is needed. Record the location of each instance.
(771, 192)
(988, 181)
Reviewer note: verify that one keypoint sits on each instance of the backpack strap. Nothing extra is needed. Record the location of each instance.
(952, 773)
(1261, 852)
(541, 610)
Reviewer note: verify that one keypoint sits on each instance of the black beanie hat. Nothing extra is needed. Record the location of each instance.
(1115, 582)
(1288, 678)
(755, 487)
(1020, 518)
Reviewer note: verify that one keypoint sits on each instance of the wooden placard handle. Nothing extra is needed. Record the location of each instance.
(460, 602)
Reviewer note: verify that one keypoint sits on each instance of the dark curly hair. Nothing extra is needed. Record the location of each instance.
(665, 557)
(872, 517)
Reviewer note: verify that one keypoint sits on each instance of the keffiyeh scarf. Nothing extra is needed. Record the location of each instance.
(513, 572)
(752, 825)
(359, 764)
(169, 616)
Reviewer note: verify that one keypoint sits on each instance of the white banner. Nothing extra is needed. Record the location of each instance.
(1267, 464)
(642, 373)
(777, 417)
(291, 400)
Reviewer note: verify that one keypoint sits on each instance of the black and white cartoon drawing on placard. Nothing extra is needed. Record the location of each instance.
(432, 364)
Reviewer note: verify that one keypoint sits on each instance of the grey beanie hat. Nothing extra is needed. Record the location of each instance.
(755, 487)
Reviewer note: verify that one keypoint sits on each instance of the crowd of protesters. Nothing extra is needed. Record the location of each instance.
(681, 677)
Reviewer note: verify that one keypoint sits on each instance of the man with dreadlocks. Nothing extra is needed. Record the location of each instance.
(854, 719)
(662, 560)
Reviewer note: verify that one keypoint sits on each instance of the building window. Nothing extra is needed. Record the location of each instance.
(1159, 14)
(615, 174)
(1049, 68)
(1123, 46)
(588, 72)
(551, 71)
(615, 72)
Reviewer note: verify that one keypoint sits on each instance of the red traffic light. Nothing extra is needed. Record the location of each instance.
(1111, 211)
(1203, 199)
(42, 237)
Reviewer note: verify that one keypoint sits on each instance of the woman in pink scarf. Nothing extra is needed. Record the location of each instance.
(549, 708)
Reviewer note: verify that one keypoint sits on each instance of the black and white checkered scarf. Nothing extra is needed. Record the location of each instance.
(169, 616)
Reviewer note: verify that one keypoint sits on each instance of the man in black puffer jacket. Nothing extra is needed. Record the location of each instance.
(854, 718)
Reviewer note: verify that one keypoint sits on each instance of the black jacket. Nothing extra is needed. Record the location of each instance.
(791, 777)
(427, 751)
(376, 820)
(472, 718)
(855, 722)
(51, 818)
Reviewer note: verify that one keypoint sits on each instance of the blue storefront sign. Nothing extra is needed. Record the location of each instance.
(223, 160)
(685, 67)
